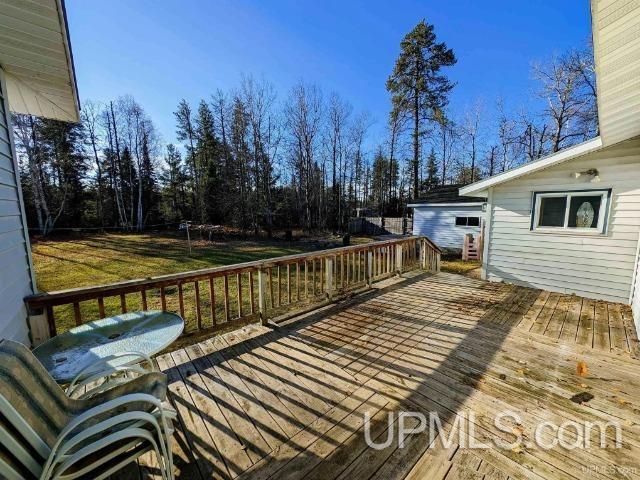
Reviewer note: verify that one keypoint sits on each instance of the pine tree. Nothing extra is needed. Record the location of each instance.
(417, 84)
(432, 171)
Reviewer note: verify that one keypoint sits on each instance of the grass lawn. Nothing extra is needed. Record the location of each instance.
(470, 268)
(99, 259)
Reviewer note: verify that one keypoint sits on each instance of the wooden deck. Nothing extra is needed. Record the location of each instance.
(289, 402)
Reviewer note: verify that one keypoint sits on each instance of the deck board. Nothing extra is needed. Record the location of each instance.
(289, 402)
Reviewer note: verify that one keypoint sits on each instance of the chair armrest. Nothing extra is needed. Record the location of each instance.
(153, 384)
(101, 370)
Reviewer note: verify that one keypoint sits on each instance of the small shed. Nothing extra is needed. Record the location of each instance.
(446, 217)
(36, 78)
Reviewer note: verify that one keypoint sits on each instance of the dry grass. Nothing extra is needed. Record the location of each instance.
(470, 268)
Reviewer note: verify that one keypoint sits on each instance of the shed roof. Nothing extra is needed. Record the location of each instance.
(445, 194)
(36, 57)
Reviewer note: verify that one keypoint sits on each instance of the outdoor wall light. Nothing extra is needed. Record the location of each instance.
(592, 172)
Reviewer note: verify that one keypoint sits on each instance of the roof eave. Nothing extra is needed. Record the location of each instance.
(62, 13)
(480, 189)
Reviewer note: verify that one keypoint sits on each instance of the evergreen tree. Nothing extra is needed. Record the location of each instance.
(432, 171)
(417, 84)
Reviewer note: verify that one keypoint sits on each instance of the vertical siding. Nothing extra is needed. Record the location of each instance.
(439, 224)
(15, 270)
(599, 266)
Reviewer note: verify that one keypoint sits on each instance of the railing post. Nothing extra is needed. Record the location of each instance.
(329, 276)
(40, 326)
(369, 267)
(399, 259)
(262, 292)
(423, 254)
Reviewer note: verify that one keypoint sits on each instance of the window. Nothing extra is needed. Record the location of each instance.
(467, 221)
(579, 211)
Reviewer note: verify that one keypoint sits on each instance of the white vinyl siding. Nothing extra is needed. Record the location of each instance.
(616, 39)
(595, 266)
(15, 273)
(439, 224)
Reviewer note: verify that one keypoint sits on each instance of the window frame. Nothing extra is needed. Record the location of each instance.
(603, 214)
(467, 217)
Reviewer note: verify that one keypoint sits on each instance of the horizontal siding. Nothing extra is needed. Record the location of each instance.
(616, 39)
(439, 224)
(635, 302)
(595, 266)
(15, 277)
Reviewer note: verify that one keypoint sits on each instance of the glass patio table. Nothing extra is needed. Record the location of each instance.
(109, 339)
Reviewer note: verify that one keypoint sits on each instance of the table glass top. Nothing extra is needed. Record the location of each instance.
(65, 355)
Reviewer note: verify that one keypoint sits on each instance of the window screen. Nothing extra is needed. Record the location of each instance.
(552, 211)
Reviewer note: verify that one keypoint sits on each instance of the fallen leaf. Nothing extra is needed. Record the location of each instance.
(582, 369)
(581, 398)
(520, 372)
(583, 385)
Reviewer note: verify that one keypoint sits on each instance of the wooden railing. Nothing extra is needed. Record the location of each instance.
(221, 297)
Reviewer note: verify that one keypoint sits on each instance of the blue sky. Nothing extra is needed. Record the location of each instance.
(162, 51)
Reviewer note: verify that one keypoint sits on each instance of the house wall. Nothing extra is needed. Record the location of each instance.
(635, 297)
(15, 256)
(439, 224)
(599, 266)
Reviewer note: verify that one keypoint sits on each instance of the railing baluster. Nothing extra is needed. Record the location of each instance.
(101, 307)
(123, 303)
(196, 287)
(251, 299)
(143, 296)
(163, 299)
(239, 284)
(279, 287)
(181, 299)
(51, 321)
(225, 283)
(297, 281)
(212, 297)
(76, 313)
(314, 277)
(270, 279)
(288, 283)
(306, 280)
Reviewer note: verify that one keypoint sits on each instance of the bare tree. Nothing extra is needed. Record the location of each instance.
(303, 117)
(90, 116)
(338, 113)
(562, 85)
(470, 129)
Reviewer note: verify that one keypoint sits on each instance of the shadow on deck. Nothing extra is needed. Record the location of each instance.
(290, 402)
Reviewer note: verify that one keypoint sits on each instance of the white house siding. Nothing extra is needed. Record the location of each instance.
(591, 266)
(15, 270)
(439, 224)
(635, 300)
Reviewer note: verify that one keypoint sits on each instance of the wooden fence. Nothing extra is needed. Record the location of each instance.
(381, 225)
(220, 297)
